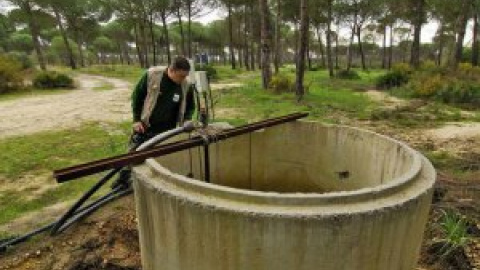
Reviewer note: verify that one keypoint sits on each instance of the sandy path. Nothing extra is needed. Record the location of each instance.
(456, 131)
(387, 100)
(30, 115)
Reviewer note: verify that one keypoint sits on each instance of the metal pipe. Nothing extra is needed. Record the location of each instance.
(74, 172)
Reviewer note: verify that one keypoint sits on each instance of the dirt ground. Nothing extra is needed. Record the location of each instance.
(109, 238)
(106, 240)
(41, 113)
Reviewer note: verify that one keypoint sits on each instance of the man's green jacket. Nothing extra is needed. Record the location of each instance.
(165, 113)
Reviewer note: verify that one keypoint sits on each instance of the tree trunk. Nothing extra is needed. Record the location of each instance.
(138, 47)
(350, 45)
(277, 37)
(167, 37)
(299, 86)
(296, 37)
(71, 58)
(462, 27)
(475, 45)
(245, 40)
(182, 34)
(321, 47)
(384, 46)
(189, 17)
(417, 31)
(79, 47)
(441, 46)
(152, 38)
(252, 37)
(224, 56)
(329, 39)
(309, 57)
(360, 47)
(144, 43)
(265, 44)
(390, 51)
(34, 32)
(230, 31)
(337, 43)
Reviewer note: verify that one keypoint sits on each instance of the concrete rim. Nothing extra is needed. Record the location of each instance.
(183, 185)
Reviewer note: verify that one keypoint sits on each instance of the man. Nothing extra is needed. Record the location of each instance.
(161, 100)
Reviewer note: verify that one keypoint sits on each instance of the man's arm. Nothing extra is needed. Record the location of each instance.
(138, 97)
(190, 106)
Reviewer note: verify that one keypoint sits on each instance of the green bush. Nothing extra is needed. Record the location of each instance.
(22, 58)
(64, 81)
(427, 85)
(51, 79)
(281, 84)
(348, 74)
(212, 73)
(10, 74)
(459, 92)
(402, 68)
(392, 79)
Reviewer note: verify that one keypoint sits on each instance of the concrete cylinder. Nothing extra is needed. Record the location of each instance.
(297, 196)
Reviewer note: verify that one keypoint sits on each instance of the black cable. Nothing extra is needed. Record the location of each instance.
(80, 212)
(82, 200)
(94, 208)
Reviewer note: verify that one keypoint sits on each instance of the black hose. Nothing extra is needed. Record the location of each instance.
(93, 208)
(82, 211)
(82, 200)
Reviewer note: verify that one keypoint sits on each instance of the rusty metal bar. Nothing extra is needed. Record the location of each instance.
(90, 168)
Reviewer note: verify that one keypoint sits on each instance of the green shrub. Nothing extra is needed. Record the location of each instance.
(348, 74)
(51, 79)
(10, 74)
(212, 73)
(460, 92)
(281, 84)
(402, 68)
(392, 79)
(64, 81)
(22, 58)
(426, 85)
(430, 66)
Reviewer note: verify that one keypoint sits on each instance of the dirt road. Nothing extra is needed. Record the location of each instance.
(47, 112)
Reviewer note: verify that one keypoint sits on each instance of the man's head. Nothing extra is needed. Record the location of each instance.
(179, 69)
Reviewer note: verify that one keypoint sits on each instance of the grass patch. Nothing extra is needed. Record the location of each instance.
(226, 73)
(105, 86)
(54, 150)
(129, 73)
(422, 114)
(48, 151)
(326, 100)
(15, 204)
(32, 92)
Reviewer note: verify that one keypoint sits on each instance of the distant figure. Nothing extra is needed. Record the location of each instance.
(162, 99)
(202, 59)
